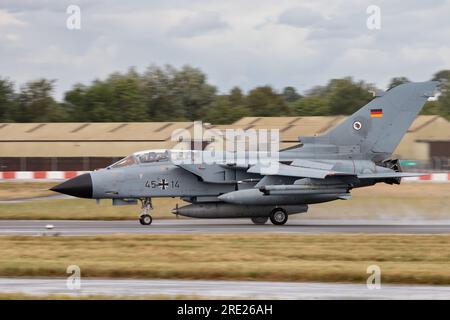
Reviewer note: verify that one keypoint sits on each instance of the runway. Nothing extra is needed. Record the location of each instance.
(221, 289)
(185, 226)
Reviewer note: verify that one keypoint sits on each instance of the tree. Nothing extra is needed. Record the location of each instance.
(339, 96)
(290, 94)
(442, 105)
(443, 75)
(397, 81)
(311, 106)
(7, 100)
(444, 99)
(265, 102)
(98, 101)
(36, 103)
(196, 94)
(223, 111)
(127, 96)
(431, 108)
(75, 103)
(236, 96)
(172, 94)
(118, 98)
(159, 96)
(345, 96)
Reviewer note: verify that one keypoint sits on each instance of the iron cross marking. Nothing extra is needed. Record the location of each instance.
(163, 184)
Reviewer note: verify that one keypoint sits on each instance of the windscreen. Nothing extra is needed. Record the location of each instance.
(125, 162)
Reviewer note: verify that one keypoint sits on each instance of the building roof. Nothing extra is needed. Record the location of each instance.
(117, 139)
(101, 131)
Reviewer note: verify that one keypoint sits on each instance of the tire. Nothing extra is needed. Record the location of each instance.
(278, 217)
(146, 220)
(260, 220)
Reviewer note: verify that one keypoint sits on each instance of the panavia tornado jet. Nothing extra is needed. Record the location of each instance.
(356, 153)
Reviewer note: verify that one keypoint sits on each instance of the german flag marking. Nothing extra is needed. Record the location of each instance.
(376, 113)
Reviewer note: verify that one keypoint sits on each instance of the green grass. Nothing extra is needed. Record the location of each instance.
(421, 259)
(83, 209)
(18, 190)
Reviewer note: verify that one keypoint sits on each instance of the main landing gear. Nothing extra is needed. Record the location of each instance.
(145, 218)
(260, 220)
(278, 217)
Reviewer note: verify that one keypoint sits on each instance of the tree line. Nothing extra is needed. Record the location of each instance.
(184, 94)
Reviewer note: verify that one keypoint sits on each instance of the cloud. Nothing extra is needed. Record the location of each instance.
(338, 27)
(199, 24)
(300, 17)
(44, 5)
(401, 7)
(327, 23)
(10, 19)
(244, 43)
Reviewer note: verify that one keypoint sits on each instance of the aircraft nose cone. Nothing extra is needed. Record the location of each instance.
(80, 186)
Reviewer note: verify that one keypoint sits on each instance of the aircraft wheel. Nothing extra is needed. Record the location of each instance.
(145, 220)
(278, 217)
(260, 220)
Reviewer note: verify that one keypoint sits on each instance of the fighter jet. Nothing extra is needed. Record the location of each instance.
(356, 153)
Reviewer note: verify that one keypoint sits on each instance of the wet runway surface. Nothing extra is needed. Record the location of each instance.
(185, 226)
(222, 289)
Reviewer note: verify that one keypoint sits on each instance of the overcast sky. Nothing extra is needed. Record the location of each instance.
(245, 43)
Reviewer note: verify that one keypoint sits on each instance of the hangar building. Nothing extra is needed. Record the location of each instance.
(87, 146)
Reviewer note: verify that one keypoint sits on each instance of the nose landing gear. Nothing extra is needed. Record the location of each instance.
(145, 218)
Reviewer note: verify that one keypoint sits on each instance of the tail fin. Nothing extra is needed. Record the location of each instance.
(378, 127)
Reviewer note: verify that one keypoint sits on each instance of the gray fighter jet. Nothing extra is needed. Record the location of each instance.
(356, 153)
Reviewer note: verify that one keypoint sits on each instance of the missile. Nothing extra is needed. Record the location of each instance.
(280, 197)
(303, 189)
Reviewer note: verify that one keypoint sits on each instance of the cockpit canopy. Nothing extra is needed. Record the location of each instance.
(152, 156)
(148, 156)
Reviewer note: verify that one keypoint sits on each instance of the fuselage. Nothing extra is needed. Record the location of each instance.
(173, 173)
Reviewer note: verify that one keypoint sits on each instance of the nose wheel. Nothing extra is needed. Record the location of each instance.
(145, 218)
